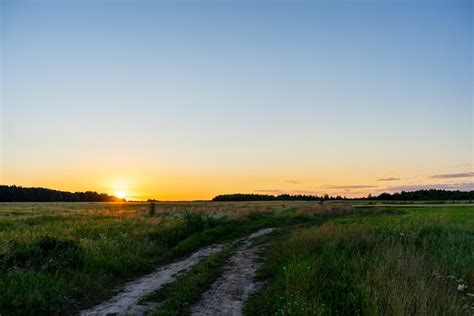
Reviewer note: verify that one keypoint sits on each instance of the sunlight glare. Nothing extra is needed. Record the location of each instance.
(120, 194)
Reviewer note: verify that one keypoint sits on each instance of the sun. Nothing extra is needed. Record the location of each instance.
(120, 194)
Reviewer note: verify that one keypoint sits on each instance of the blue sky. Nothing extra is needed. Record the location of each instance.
(188, 99)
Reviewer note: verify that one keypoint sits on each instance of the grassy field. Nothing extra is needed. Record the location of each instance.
(56, 258)
(413, 260)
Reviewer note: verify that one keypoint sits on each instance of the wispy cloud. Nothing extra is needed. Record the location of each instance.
(465, 186)
(349, 187)
(388, 179)
(293, 181)
(453, 175)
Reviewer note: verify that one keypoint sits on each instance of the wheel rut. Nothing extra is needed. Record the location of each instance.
(126, 302)
(225, 297)
(228, 294)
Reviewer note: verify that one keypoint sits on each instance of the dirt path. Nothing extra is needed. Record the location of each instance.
(126, 302)
(242, 265)
(227, 295)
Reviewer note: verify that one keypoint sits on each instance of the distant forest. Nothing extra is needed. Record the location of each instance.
(268, 197)
(425, 195)
(19, 194)
(420, 195)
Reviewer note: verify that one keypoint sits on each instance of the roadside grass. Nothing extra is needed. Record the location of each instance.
(61, 261)
(372, 264)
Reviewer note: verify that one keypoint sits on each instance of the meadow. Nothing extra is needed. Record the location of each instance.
(368, 259)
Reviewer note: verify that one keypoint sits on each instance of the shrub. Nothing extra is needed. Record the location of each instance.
(152, 210)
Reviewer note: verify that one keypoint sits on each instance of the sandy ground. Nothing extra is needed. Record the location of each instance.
(227, 295)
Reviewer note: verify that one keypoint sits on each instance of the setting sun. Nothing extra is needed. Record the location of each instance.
(120, 194)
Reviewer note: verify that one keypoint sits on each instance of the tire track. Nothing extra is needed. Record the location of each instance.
(239, 272)
(126, 302)
(228, 294)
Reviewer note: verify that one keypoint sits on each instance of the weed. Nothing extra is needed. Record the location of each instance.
(152, 210)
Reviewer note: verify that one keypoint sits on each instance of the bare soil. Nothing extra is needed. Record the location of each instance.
(228, 294)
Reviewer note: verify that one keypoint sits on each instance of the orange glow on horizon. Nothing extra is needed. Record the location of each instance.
(187, 184)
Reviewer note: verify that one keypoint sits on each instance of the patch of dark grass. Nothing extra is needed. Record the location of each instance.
(41, 220)
(36, 276)
(42, 294)
(4, 225)
(48, 254)
(191, 223)
(383, 211)
(336, 210)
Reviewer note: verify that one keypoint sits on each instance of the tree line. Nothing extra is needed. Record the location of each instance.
(419, 195)
(269, 197)
(20, 194)
(425, 195)
(15, 193)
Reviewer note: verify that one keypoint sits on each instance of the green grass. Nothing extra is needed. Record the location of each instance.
(373, 264)
(56, 258)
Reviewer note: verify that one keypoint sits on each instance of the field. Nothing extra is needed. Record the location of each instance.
(370, 259)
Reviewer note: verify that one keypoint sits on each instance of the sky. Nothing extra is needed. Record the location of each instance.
(184, 100)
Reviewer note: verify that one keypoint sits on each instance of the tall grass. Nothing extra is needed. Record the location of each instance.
(365, 269)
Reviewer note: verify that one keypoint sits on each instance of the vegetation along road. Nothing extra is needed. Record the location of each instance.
(254, 258)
